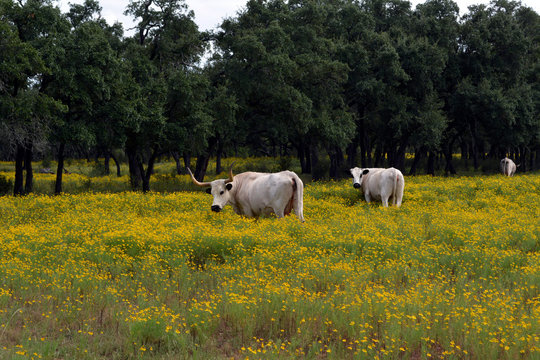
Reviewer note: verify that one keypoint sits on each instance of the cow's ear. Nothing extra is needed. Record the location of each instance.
(228, 186)
(365, 172)
(209, 190)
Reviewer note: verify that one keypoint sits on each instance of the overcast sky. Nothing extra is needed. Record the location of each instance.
(210, 13)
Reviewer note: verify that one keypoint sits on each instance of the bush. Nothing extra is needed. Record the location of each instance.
(46, 162)
(6, 185)
(490, 166)
(320, 170)
(284, 163)
(98, 169)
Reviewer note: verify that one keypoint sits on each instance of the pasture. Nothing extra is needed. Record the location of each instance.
(454, 273)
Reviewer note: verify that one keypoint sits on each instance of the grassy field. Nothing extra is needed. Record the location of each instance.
(452, 274)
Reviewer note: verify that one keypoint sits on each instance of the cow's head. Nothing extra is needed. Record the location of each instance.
(357, 175)
(218, 188)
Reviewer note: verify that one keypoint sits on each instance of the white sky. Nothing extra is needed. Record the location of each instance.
(210, 13)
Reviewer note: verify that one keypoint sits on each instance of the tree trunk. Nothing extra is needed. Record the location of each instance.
(475, 155)
(176, 158)
(107, 161)
(149, 171)
(340, 158)
(219, 154)
(201, 166)
(302, 158)
(118, 172)
(28, 157)
(19, 171)
(377, 155)
(309, 163)
(430, 167)
(482, 150)
(474, 146)
(399, 159)
(59, 170)
(418, 154)
(333, 165)
(464, 153)
(368, 153)
(203, 159)
(187, 159)
(362, 144)
(135, 174)
(449, 167)
(391, 152)
(351, 153)
(523, 158)
(314, 154)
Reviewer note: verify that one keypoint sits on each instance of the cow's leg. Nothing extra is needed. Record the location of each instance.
(367, 197)
(279, 213)
(386, 193)
(247, 212)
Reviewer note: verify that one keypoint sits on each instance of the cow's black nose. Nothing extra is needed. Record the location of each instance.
(216, 208)
(356, 185)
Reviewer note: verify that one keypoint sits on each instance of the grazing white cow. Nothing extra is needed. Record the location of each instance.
(380, 184)
(253, 194)
(508, 167)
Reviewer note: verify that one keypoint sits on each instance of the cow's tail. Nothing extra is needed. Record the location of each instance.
(298, 197)
(399, 185)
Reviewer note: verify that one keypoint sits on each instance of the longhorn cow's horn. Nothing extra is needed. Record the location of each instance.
(231, 176)
(195, 180)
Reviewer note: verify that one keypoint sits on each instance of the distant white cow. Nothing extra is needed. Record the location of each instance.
(253, 194)
(508, 167)
(380, 184)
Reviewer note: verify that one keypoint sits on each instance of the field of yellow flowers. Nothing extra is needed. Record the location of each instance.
(452, 274)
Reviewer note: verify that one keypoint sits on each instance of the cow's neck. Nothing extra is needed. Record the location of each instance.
(232, 200)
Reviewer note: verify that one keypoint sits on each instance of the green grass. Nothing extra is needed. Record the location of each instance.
(452, 274)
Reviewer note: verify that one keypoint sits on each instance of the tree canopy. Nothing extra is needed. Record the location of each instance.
(337, 83)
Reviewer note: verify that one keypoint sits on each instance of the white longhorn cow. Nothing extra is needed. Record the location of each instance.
(253, 194)
(380, 184)
(508, 167)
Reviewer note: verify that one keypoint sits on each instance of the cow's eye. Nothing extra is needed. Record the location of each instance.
(221, 193)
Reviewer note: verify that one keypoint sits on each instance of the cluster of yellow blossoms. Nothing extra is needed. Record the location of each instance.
(453, 273)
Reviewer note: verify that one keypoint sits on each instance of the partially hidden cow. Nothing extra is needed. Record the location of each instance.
(508, 167)
(253, 194)
(380, 184)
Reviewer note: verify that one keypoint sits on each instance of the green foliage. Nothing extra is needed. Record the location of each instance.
(284, 163)
(6, 185)
(320, 170)
(372, 78)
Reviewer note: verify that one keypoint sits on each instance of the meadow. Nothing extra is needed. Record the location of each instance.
(452, 274)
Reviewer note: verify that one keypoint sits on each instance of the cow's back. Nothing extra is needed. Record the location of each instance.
(262, 192)
(373, 181)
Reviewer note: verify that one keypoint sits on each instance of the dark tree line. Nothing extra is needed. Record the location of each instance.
(356, 82)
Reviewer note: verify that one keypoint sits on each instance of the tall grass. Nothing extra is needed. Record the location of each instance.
(453, 273)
